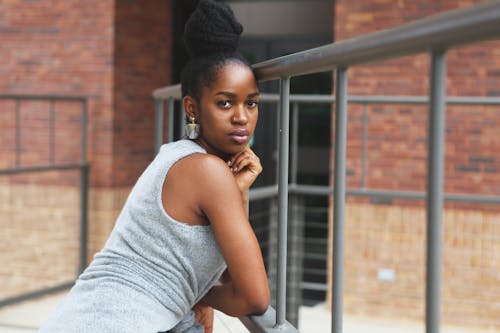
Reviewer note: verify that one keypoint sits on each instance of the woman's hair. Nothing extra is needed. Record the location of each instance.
(211, 36)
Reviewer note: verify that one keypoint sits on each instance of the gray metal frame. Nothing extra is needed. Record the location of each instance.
(432, 35)
(283, 149)
(339, 198)
(82, 166)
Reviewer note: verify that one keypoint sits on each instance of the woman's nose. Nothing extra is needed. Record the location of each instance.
(240, 115)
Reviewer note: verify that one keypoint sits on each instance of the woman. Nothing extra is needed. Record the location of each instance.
(184, 227)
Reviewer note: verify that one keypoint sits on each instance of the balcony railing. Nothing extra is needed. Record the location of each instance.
(49, 163)
(434, 35)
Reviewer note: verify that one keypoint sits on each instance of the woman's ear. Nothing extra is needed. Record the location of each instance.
(190, 106)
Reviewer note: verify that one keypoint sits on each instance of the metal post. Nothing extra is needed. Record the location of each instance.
(437, 121)
(283, 145)
(83, 148)
(84, 192)
(171, 114)
(363, 146)
(339, 198)
(158, 124)
(18, 134)
(295, 143)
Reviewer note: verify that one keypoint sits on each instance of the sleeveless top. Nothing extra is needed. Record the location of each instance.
(152, 269)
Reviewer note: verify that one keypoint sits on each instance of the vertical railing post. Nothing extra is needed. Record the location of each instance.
(84, 191)
(339, 198)
(364, 137)
(295, 143)
(283, 150)
(171, 116)
(18, 133)
(437, 120)
(295, 228)
(158, 124)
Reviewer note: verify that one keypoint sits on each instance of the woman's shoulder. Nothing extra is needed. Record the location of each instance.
(205, 172)
(204, 165)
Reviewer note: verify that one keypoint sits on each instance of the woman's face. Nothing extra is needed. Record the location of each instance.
(228, 110)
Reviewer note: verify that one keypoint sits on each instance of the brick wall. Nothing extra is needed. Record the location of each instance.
(391, 233)
(142, 63)
(397, 134)
(113, 53)
(39, 241)
(392, 238)
(63, 48)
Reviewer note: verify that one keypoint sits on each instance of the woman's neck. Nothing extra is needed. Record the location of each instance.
(211, 150)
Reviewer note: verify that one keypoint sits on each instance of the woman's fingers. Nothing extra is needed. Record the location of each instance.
(204, 315)
(245, 159)
(246, 167)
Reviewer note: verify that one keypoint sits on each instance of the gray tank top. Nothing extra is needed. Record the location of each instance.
(151, 271)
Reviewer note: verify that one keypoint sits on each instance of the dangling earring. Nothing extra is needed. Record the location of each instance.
(192, 129)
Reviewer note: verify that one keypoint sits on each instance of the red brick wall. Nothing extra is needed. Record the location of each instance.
(63, 48)
(113, 53)
(142, 63)
(397, 134)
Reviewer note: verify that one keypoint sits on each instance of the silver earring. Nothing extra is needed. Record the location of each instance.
(192, 129)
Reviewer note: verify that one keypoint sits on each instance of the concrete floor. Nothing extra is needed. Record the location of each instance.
(26, 317)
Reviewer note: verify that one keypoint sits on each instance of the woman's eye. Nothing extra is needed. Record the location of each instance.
(252, 104)
(224, 104)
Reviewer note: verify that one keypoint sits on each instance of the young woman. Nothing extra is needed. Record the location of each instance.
(183, 241)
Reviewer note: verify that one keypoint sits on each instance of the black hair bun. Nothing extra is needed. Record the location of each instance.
(211, 29)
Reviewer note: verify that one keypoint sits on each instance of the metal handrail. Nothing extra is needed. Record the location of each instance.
(461, 26)
(82, 166)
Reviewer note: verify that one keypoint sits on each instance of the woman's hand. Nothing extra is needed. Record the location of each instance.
(204, 316)
(245, 166)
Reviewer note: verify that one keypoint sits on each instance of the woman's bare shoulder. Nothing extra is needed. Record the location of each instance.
(202, 169)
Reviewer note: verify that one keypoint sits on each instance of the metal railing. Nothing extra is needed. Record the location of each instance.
(52, 165)
(433, 35)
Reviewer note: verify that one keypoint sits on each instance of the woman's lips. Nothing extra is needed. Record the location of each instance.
(239, 136)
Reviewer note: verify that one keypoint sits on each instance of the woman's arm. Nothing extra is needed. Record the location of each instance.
(222, 201)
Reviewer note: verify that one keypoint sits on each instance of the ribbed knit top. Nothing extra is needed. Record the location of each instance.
(151, 271)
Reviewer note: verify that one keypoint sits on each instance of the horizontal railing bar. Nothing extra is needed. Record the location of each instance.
(263, 192)
(315, 240)
(43, 168)
(36, 294)
(468, 100)
(266, 192)
(321, 99)
(314, 286)
(315, 256)
(43, 97)
(461, 26)
(167, 92)
(325, 190)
